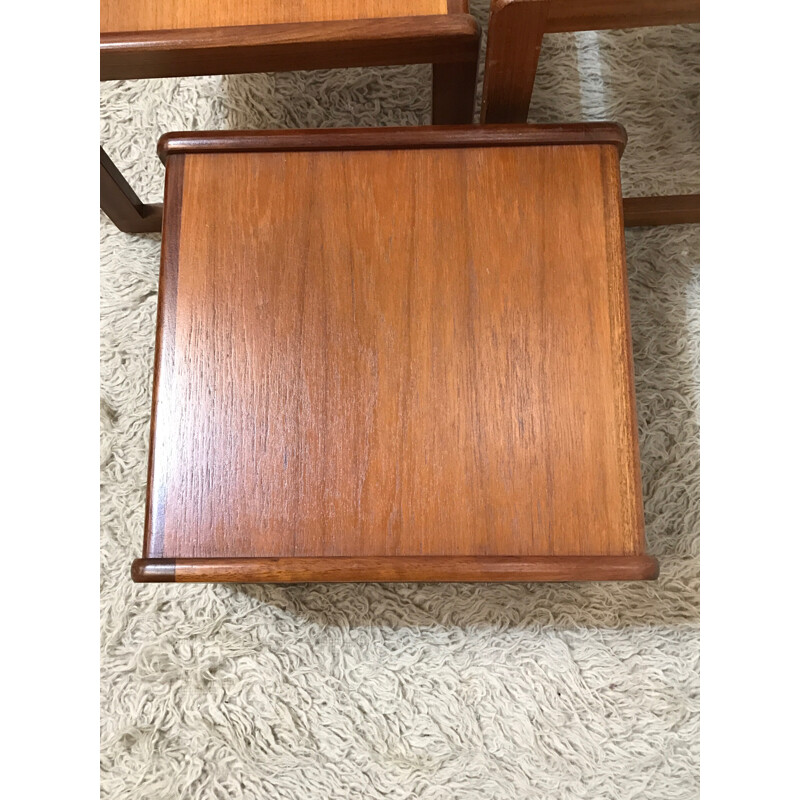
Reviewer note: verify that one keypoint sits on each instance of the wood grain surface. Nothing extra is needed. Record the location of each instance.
(397, 568)
(395, 353)
(446, 38)
(513, 45)
(595, 15)
(675, 209)
(164, 362)
(153, 15)
(174, 38)
(514, 40)
(122, 204)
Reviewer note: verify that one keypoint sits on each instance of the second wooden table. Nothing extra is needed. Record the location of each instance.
(157, 39)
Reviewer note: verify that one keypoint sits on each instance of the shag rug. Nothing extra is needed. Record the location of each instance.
(412, 691)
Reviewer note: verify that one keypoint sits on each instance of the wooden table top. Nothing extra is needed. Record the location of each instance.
(155, 15)
(405, 362)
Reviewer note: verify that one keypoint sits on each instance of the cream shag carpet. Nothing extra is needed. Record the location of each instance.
(407, 691)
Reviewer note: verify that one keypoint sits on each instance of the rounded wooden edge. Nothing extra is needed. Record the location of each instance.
(452, 25)
(431, 136)
(377, 569)
(289, 46)
(153, 570)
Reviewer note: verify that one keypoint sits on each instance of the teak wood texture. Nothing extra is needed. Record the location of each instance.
(596, 15)
(514, 41)
(675, 209)
(168, 38)
(384, 355)
(516, 28)
(151, 15)
(149, 39)
(122, 204)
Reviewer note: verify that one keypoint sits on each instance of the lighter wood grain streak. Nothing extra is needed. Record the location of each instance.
(152, 15)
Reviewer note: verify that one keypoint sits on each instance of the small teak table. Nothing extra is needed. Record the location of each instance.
(394, 355)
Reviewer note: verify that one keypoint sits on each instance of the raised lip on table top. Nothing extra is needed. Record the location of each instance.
(406, 138)
(390, 569)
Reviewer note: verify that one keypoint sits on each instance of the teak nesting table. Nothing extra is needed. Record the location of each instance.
(394, 355)
(516, 28)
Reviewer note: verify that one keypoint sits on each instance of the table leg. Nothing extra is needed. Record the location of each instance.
(121, 203)
(454, 92)
(512, 55)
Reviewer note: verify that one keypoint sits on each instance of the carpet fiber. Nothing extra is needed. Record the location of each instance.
(412, 691)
